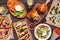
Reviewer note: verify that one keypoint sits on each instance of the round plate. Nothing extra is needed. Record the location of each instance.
(41, 38)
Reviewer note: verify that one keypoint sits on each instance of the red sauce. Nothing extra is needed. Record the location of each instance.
(32, 26)
(0, 33)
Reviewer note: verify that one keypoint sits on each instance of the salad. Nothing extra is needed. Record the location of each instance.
(42, 32)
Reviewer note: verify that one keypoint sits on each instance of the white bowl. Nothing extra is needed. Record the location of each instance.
(5, 10)
(42, 38)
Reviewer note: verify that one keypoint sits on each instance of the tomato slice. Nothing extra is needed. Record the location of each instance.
(0, 33)
(7, 29)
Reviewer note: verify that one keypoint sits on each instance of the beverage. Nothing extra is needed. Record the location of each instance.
(30, 2)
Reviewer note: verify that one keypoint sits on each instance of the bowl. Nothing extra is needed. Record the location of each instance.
(31, 26)
(3, 10)
(40, 38)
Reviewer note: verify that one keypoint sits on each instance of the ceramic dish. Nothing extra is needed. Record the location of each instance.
(42, 32)
(3, 10)
(31, 26)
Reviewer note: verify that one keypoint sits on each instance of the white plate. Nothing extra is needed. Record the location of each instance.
(41, 38)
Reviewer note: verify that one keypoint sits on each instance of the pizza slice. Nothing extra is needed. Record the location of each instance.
(5, 27)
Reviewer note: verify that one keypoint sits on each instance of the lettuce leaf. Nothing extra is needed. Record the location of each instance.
(19, 13)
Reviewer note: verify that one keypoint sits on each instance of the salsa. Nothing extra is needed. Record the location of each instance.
(32, 26)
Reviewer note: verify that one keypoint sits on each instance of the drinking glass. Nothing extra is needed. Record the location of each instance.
(30, 3)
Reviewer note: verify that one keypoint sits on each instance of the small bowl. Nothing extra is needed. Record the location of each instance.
(5, 10)
(32, 25)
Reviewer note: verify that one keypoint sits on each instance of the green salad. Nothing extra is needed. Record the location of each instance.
(42, 31)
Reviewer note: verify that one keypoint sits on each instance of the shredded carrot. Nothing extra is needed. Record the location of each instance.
(12, 4)
(57, 31)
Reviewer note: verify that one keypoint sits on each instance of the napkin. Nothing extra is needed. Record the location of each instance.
(56, 33)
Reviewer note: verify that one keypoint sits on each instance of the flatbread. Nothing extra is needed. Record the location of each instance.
(26, 35)
(48, 19)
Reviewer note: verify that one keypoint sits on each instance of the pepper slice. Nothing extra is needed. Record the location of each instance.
(0, 33)
(57, 31)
